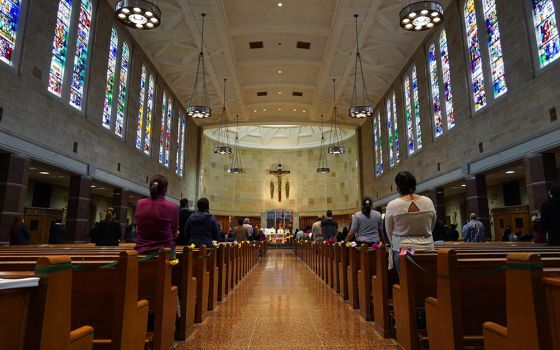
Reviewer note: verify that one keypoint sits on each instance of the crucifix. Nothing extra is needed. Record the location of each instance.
(279, 172)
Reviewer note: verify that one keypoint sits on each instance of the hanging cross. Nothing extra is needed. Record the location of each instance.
(279, 172)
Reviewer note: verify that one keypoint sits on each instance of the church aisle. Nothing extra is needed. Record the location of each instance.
(281, 304)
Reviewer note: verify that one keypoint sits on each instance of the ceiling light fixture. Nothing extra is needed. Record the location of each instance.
(198, 106)
(421, 15)
(138, 14)
(236, 167)
(463, 185)
(280, 4)
(323, 167)
(279, 72)
(510, 172)
(44, 173)
(357, 109)
(222, 143)
(335, 138)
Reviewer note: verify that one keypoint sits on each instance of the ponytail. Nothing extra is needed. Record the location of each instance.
(366, 206)
(158, 186)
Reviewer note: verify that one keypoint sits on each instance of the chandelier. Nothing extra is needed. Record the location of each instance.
(421, 15)
(222, 144)
(236, 167)
(359, 109)
(198, 106)
(139, 14)
(335, 138)
(323, 168)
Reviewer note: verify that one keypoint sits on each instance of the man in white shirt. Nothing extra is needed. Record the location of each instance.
(247, 224)
(316, 229)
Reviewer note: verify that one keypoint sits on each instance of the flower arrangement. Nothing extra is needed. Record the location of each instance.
(351, 244)
(214, 244)
(406, 251)
(330, 241)
(191, 247)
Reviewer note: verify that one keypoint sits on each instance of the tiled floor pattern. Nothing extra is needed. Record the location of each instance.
(281, 304)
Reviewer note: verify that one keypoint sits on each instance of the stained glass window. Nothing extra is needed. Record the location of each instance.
(378, 144)
(390, 141)
(180, 145)
(546, 31)
(60, 47)
(408, 116)
(416, 103)
(140, 118)
(162, 129)
(446, 80)
(110, 84)
(149, 111)
(80, 58)
(9, 19)
(396, 130)
(121, 99)
(168, 131)
(434, 82)
(494, 47)
(475, 58)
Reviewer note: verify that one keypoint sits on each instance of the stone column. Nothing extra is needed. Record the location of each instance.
(437, 195)
(14, 172)
(540, 173)
(120, 204)
(77, 220)
(477, 200)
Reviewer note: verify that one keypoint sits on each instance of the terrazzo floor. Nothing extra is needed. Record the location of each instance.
(282, 304)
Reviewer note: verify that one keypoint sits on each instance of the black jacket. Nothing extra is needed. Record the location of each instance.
(107, 233)
(550, 219)
(184, 215)
(202, 228)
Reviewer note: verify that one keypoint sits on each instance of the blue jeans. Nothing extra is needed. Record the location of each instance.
(396, 256)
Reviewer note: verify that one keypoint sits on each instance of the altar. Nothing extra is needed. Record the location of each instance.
(279, 225)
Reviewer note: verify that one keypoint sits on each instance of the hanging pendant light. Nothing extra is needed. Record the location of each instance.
(335, 138)
(359, 109)
(139, 14)
(198, 106)
(222, 143)
(421, 15)
(236, 167)
(323, 168)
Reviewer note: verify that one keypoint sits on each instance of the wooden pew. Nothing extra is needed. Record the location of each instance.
(532, 307)
(353, 267)
(40, 317)
(365, 274)
(331, 266)
(343, 272)
(185, 280)
(203, 282)
(336, 271)
(222, 270)
(382, 286)
(213, 277)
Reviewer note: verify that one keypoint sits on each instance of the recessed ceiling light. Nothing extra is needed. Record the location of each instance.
(92, 186)
(255, 111)
(279, 71)
(295, 110)
(279, 92)
(264, 109)
(510, 172)
(303, 111)
(279, 109)
(463, 185)
(280, 4)
(44, 173)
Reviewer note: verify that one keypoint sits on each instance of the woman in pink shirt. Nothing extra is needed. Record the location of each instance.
(157, 219)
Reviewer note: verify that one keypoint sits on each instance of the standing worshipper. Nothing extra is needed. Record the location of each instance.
(474, 230)
(202, 227)
(157, 219)
(550, 215)
(316, 229)
(367, 225)
(108, 231)
(19, 232)
(410, 219)
(240, 231)
(250, 230)
(184, 214)
(329, 227)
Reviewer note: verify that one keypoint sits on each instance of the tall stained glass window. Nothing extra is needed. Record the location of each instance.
(179, 160)
(9, 20)
(378, 144)
(60, 47)
(408, 116)
(169, 120)
(416, 104)
(435, 87)
(162, 128)
(110, 83)
(149, 112)
(494, 47)
(475, 58)
(390, 140)
(546, 31)
(446, 69)
(81, 56)
(140, 118)
(121, 99)
(396, 130)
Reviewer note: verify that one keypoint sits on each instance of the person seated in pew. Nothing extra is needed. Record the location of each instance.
(201, 227)
(367, 225)
(409, 219)
(157, 219)
(107, 231)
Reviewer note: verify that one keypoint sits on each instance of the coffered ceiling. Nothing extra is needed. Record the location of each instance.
(297, 81)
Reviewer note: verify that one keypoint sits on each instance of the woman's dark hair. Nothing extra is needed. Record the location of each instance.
(366, 206)
(158, 186)
(406, 183)
(202, 204)
(240, 222)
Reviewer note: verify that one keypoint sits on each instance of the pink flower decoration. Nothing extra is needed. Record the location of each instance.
(406, 251)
